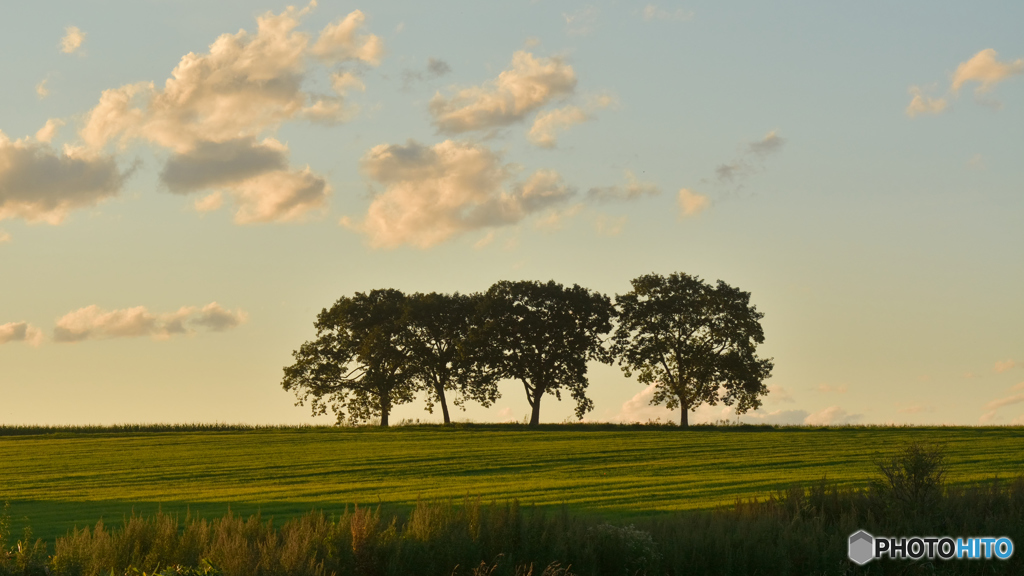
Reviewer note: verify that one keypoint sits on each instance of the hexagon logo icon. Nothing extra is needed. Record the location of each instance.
(861, 548)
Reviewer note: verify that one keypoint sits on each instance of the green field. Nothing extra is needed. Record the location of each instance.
(55, 480)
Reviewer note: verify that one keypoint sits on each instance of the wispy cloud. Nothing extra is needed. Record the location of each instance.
(915, 409)
(692, 203)
(20, 332)
(833, 415)
(582, 21)
(749, 162)
(606, 225)
(1005, 366)
(435, 68)
(94, 323)
(984, 69)
(994, 406)
(526, 86)
(779, 393)
(72, 40)
(547, 124)
(633, 189)
(776, 417)
(654, 12)
(922, 104)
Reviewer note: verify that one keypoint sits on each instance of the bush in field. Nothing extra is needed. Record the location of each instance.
(913, 478)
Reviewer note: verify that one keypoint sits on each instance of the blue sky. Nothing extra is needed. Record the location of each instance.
(165, 246)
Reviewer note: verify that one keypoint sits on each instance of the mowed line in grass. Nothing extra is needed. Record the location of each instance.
(605, 470)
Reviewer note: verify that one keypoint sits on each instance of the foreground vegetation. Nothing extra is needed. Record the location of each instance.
(59, 478)
(801, 531)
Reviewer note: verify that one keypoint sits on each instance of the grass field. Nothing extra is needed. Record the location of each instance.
(56, 479)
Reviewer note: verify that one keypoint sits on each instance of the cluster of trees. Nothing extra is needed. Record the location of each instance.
(374, 351)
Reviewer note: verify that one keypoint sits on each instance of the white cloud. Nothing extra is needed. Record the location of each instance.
(984, 69)
(217, 164)
(246, 83)
(653, 12)
(921, 104)
(212, 110)
(38, 183)
(633, 190)
(72, 40)
(915, 409)
(252, 177)
(1005, 365)
(777, 417)
(435, 192)
(216, 318)
(47, 133)
(831, 416)
(841, 389)
(639, 409)
(41, 90)
(546, 124)
(529, 84)
(20, 332)
(343, 41)
(4, 237)
(94, 323)
(281, 196)
(692, 203)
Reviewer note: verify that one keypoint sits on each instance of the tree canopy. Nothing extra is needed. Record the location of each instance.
(440, 360)
(694, 341)
(359, 364)
(543, 334)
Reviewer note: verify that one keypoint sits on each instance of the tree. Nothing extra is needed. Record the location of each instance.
(359, 362)
(696, 342)
(543, 334)
(440, 324)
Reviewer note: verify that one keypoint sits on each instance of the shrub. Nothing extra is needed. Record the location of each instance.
(912, 479)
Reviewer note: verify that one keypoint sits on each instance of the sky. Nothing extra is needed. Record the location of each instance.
(185, 185)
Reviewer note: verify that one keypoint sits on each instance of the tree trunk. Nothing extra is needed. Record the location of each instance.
(685, 422)
(444, 403)
(385, 409)
(535, 417)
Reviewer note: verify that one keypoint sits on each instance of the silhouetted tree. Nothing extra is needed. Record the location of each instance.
(359, 362)
(440, 324)
(543, 334)
(696, 342)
